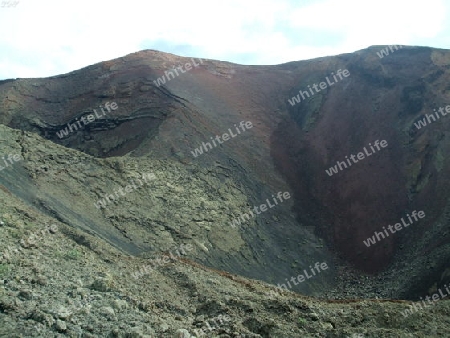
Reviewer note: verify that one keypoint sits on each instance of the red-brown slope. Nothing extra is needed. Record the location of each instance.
(289, 148)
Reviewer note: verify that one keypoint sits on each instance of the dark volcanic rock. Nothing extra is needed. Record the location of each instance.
(288, 149)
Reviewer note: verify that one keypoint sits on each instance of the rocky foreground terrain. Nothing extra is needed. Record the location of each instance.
(161, 259)
(59, 281)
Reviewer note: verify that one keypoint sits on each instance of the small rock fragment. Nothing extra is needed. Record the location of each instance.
(182, 333)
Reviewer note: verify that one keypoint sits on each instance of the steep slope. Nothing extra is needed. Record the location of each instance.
(288, 149)
(267, 253)
(57, 280)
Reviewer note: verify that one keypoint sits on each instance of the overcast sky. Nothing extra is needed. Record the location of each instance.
(41, 38)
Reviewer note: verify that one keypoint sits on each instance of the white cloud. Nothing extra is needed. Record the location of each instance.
(377, 22)
(48, 37)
